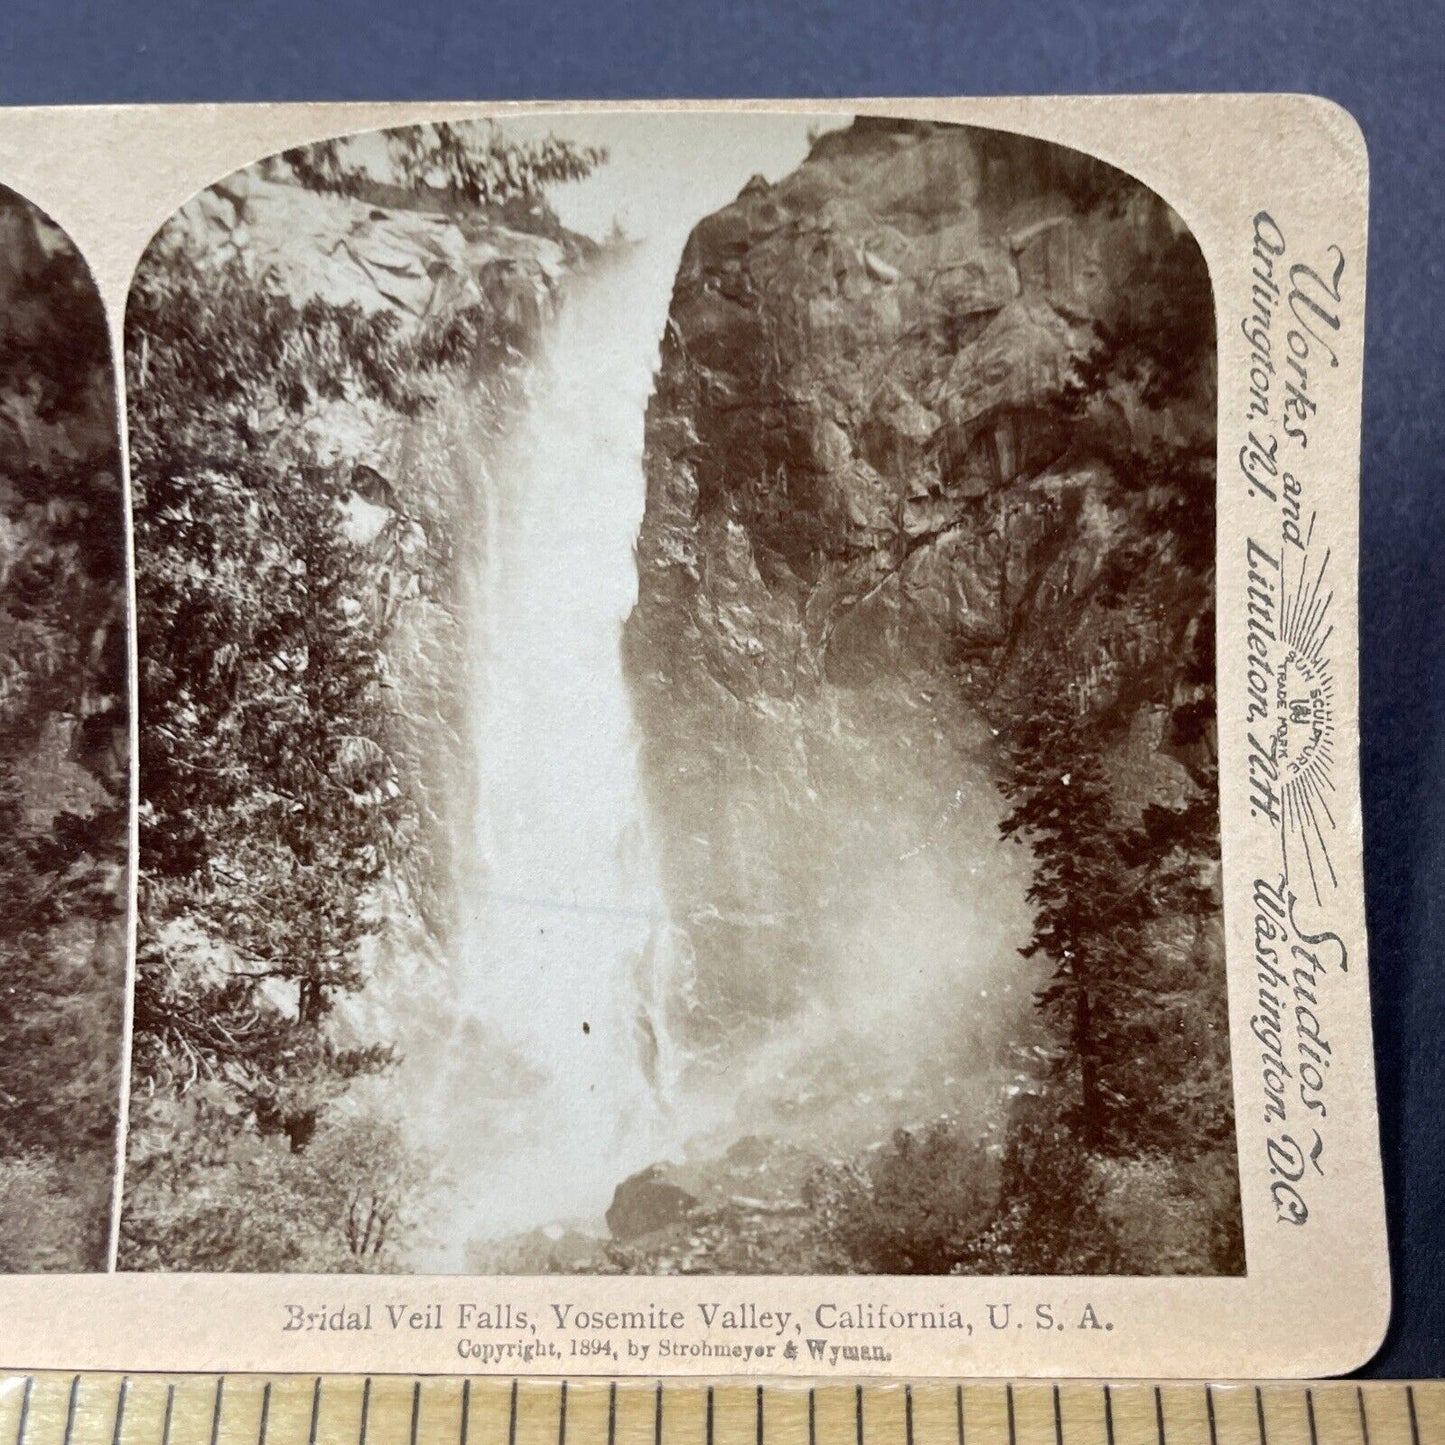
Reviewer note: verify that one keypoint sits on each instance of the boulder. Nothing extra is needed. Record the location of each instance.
(647, 1202)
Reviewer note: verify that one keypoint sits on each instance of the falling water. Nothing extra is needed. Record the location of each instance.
(560, 1073)
(567, 951)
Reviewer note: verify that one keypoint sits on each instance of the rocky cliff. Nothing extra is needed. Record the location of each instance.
(932, 430)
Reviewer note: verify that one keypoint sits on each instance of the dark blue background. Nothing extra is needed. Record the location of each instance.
(1383, 61)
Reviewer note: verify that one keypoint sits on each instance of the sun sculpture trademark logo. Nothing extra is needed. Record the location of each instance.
(1305, 729)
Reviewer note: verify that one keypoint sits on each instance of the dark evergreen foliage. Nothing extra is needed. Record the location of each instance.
(469, 162)
(63, 753)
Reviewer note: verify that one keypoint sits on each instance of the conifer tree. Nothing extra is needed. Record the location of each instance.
(1088, 907)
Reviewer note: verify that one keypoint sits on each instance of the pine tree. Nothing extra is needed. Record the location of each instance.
(471, 162)
(1088, 907)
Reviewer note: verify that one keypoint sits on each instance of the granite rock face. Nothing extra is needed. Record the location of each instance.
(884, 490)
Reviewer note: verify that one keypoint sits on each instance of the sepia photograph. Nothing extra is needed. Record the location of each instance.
(676, 664)
(64, 754)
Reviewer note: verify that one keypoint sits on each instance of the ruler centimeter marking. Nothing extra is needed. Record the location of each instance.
(119, 1412)
(103, 1409)
(216, 1410)
(70, 1409)
(24, 1410)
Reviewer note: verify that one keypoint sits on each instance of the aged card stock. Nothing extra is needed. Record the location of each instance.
(698, 738)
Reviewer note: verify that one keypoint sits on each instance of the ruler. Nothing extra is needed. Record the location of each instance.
(100, 1409)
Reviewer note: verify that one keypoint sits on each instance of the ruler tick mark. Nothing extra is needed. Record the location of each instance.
(760, 1415)
(416, 1408)
(1364, 1419)
(812, 1417)
(1009, 1397)
(657, 1418)
(1310, 1412)
(467, 1411)
(70, 1408)
(265, 1414)
(216, 1409)
(365, 1409)
(315, 1411)
(612, 1413)
(1108, 1415)
(512, 1417)
(1058, 1419)
(858, 1411)
(561, 1417)
(1259, 1413)
(120, 1410)
(24, 1409)
(907, 1416)
(1159, 1413)
(1209, 1405)
(170, 1413)
(1414, 1419)
(709, 1415)
(958, 1403)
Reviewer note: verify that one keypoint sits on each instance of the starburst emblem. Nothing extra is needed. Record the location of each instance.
(1305, 729)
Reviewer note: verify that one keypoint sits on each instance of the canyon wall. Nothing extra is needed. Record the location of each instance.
(932, 436)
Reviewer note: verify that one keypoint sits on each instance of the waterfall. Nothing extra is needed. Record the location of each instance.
(567, 985)
(567, 953)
